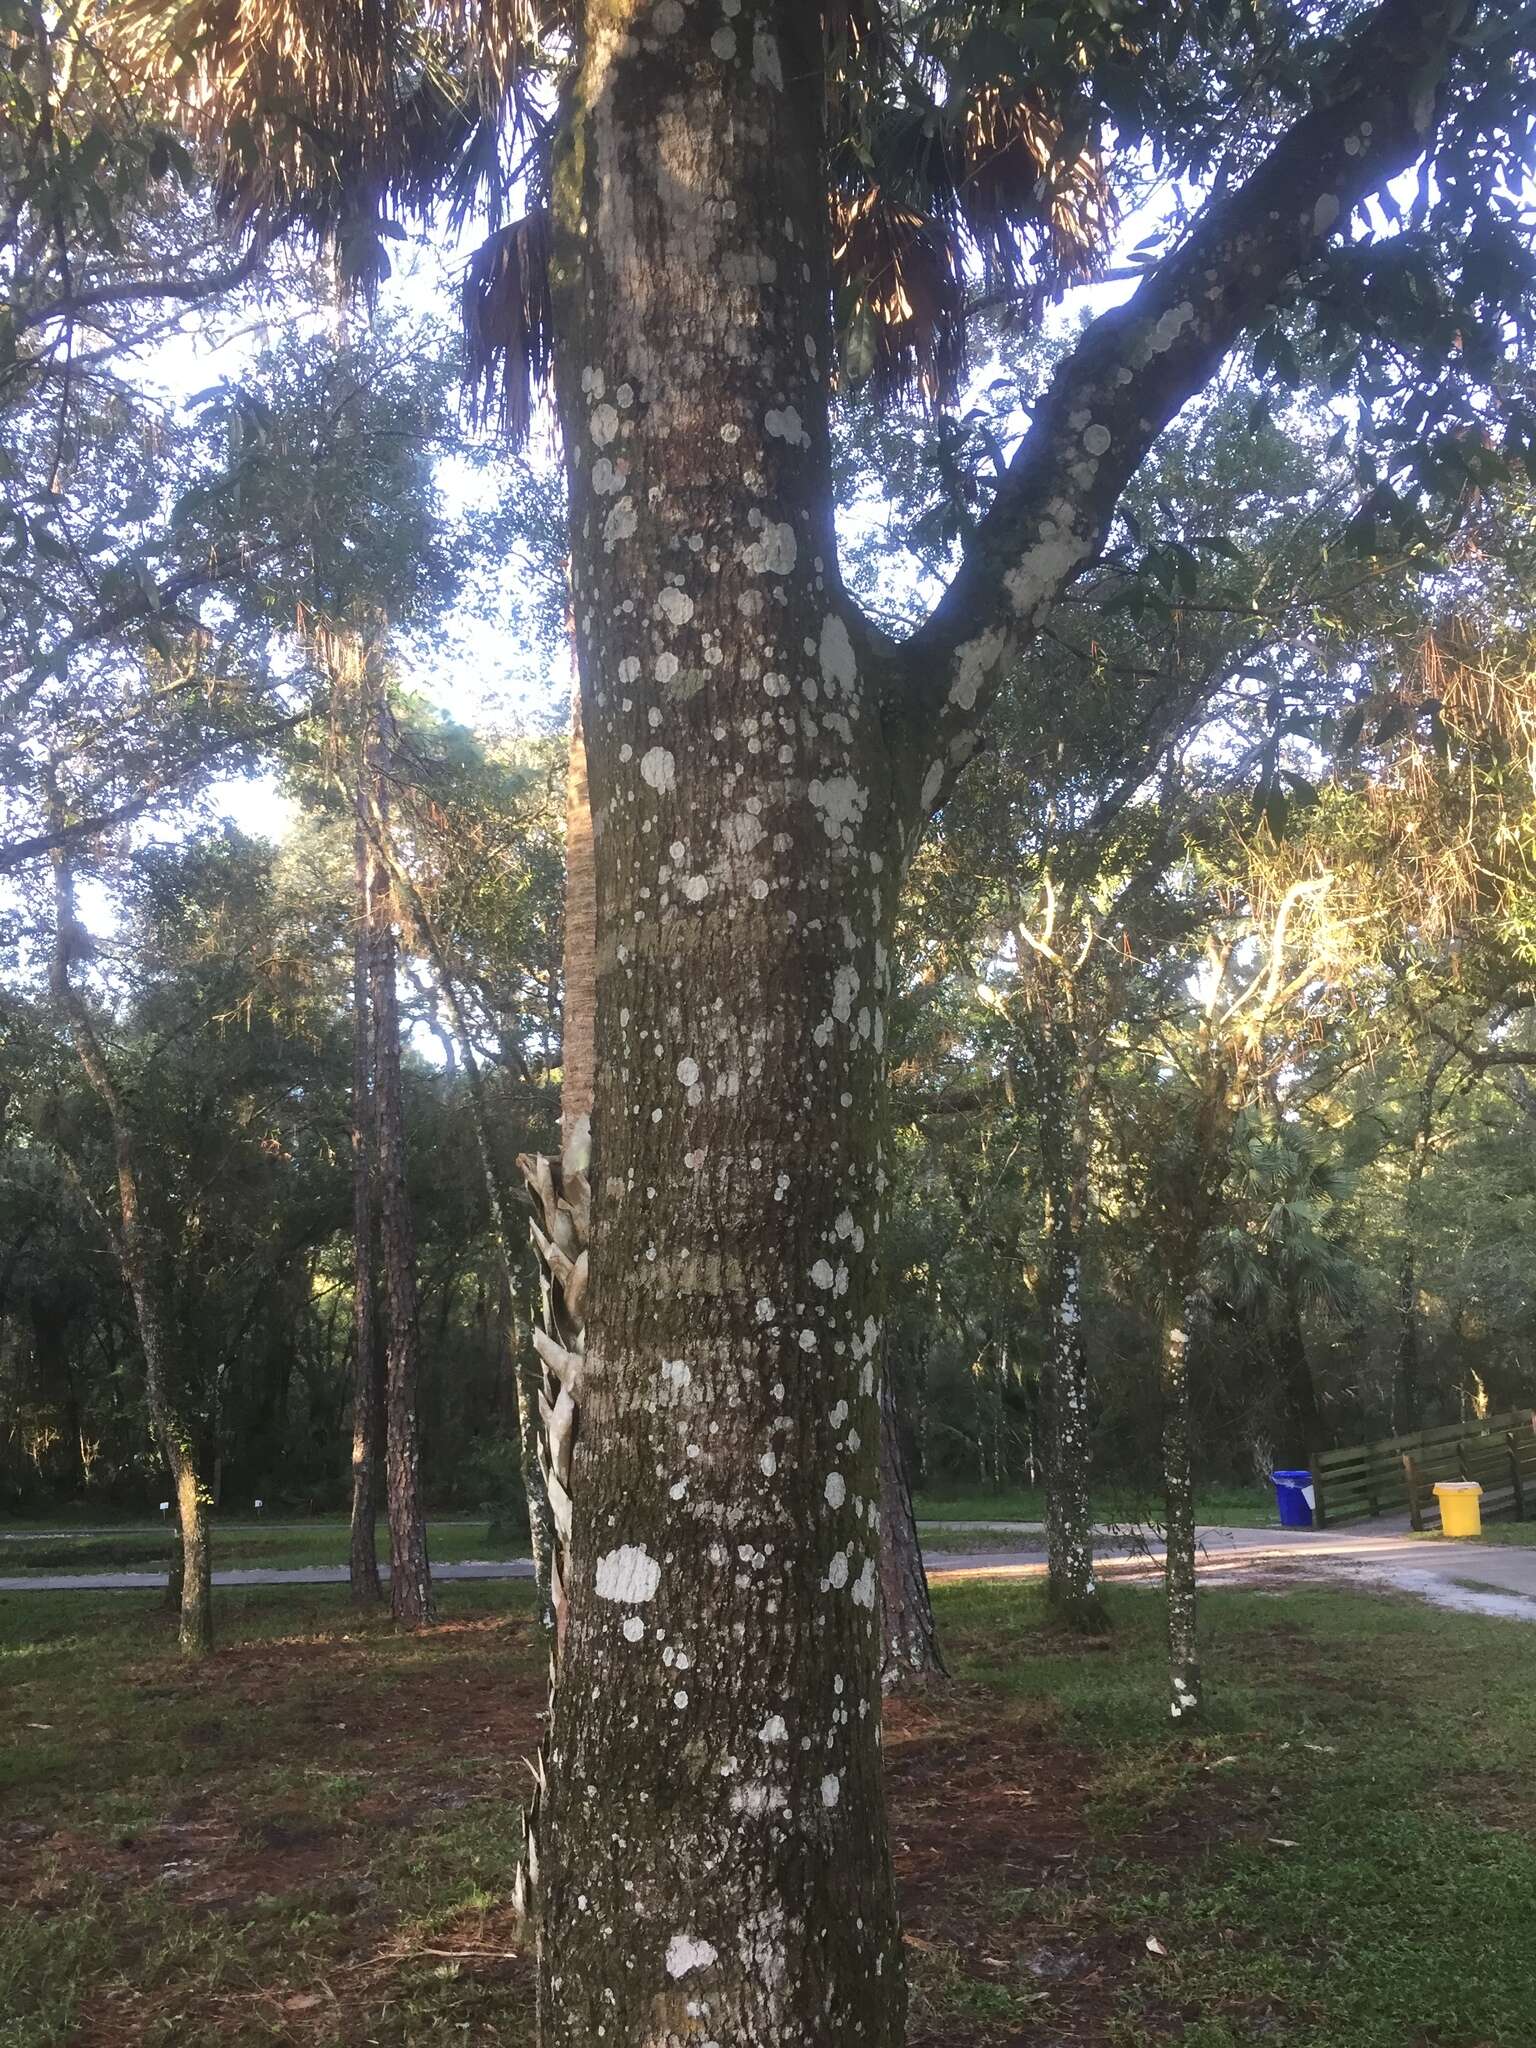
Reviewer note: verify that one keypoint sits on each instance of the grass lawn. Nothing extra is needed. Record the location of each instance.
(1242, 1507)
(308, 1838)
(239, 1545)
(1493, 1532)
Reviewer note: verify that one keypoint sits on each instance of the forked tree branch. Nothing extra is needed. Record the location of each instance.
(1137, 366)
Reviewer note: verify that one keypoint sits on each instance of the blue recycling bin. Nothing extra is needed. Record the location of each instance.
(1293, 1491)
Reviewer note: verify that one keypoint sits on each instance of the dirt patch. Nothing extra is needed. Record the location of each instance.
(1002, 1872)
(311, 1775)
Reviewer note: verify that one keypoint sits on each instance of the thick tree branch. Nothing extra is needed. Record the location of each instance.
(71, 305)
(1138, 365)
(15, 853)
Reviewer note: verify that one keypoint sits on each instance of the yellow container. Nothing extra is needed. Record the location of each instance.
(1461, 1507)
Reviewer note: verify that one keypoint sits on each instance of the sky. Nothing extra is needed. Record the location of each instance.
(469, 676)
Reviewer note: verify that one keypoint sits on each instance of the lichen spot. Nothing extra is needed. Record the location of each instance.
(658, 768)
(822, 1274)
(687, 1072)
(765, 60)
(783, 423)
(1325, 213)
(686, 1952)
(629, 1575)
(836, 1490)
(864, 1586)
(973, 664)
(839, 802)
(605, 424)
(831, 1791)
(1097, 440)
(839, 667)
(774, 552)
(621, 522)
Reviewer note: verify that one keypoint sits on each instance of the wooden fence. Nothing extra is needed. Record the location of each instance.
(1398, 1472)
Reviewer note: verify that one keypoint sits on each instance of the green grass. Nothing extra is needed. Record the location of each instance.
(1344, 1856)
(1508, 1534)
(941, 1539)
(308, 1838)
(1243, 1507)
(242, 1545)
(261, 1847)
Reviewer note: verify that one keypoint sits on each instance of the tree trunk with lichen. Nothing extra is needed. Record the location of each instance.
(1179, 1513)
(719, 1673)
(910, 1655)
(410, 1574)
(761, 766)
(367, 1363)
(1070, 1583)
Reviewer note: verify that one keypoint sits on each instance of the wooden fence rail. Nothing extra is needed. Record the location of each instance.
(1396, 1472)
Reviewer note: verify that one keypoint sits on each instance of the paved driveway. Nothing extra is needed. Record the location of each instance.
(1474, 1578)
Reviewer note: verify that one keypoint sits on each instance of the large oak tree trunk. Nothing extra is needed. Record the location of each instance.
(367, 1364)
(719, 1676)
(410, 1584)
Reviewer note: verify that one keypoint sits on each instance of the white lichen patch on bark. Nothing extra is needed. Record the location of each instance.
(687, 1952)
(628, 1575)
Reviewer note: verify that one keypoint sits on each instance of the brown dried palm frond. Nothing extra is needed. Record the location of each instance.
(993, 186)
(905, 327)
(509, 324)
(328, 113)
(1437, 839)
(1459, 800)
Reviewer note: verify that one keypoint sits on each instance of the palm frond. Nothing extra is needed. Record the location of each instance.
(992, 187)
(509, 325)
(328, 114)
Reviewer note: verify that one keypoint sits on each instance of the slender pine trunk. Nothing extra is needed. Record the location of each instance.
(526, 1377)
(141, 1257)
(1179, 1514)
(410, 1582)
(367, 1407)
(910, 1653)
(719, 1673)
